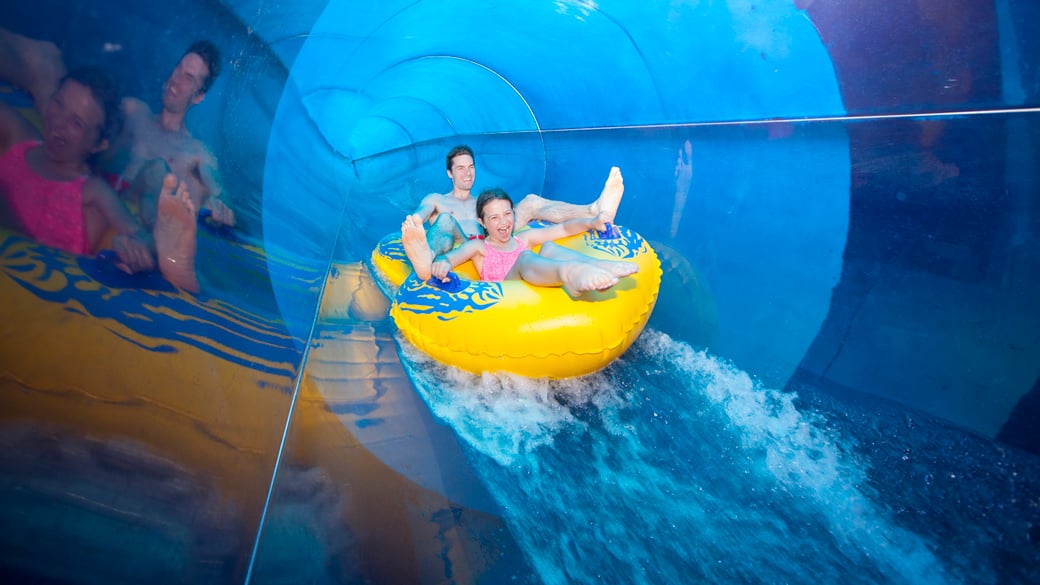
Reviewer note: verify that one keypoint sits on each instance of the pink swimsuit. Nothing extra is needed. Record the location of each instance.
(50, 212)
(497, 263)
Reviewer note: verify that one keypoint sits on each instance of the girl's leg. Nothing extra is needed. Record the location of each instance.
(618, 268)
(575, 277)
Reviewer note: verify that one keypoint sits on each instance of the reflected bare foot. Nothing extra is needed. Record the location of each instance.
(174, 233)
(610, 198)
(413, 238)
(934, 170)
(684, 168)
(579, 278)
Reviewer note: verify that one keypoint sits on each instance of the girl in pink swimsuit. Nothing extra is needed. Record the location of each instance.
(50, 212)
(46, 189)
(497, 263)
(503, 255)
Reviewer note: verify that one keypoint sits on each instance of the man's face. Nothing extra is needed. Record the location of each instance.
(72, 124)
(181, 90)
(462, 172)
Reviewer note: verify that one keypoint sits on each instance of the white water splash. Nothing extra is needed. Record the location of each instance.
(672, 466)
(503, 416)
(801, 455)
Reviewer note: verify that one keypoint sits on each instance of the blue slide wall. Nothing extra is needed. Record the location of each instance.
(556, 98)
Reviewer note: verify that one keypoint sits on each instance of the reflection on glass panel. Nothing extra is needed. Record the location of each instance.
(917, 56)
(372, 487)
(937, 304)
(146, 370)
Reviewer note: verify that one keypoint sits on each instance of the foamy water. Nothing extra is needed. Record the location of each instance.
(674, 466)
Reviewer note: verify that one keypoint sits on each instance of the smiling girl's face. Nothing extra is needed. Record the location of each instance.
(497, 220)
(72, 124)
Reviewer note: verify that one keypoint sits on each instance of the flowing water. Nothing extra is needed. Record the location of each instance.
(673, 466)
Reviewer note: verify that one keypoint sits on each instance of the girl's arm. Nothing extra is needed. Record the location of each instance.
(443, 263)
(537, 236)
(133, 243)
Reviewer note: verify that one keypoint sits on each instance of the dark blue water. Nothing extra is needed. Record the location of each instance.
(673, 466)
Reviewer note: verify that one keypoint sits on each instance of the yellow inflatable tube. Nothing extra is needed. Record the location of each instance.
(511, 326)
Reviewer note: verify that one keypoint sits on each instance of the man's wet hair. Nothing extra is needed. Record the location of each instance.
(460, 149)
(105, 93)
(210, 55)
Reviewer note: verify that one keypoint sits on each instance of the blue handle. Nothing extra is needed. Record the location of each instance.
(453, 285)
(611, 233)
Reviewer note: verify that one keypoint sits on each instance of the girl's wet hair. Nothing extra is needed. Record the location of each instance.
(105, 93)
(487, 196)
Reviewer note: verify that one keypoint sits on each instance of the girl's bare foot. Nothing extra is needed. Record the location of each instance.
(579, 278)
(618, 268)
(610, 198)
(174, 233)
(413, 238)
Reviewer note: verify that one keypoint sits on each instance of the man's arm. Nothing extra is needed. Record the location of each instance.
(427, 207)
(209, 177)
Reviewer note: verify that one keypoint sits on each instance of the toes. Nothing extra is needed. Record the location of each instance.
(169, 183)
